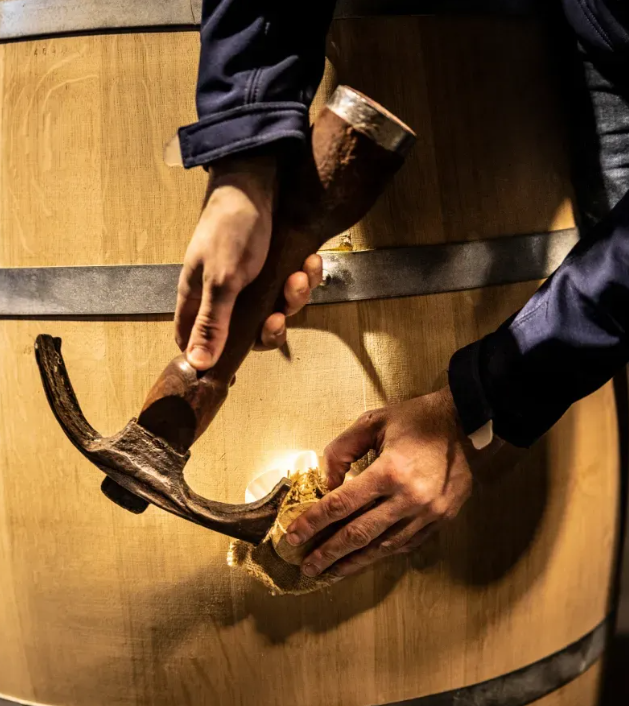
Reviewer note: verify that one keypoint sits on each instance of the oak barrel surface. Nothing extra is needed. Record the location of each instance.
(101, 607)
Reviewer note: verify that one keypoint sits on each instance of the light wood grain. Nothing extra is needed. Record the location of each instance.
(86, 119)
(100, 607)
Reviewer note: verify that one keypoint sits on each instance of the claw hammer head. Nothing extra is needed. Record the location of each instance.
(357, 146)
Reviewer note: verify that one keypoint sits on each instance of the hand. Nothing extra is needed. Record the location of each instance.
(419, 481)
(226, 253)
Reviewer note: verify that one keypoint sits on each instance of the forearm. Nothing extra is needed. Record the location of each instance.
(259, 69)
(571, 337)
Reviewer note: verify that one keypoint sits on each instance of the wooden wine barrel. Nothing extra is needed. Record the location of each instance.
(101, 607)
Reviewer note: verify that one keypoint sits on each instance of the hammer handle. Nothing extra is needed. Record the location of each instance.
(335, 185)
(355, 148)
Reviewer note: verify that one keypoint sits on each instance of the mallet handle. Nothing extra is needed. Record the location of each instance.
(356, 147)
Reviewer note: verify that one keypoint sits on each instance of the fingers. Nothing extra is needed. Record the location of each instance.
(211, 325)
(356, 535)
(297, 292)
(352, 445)
(403, 538)
(335, 506)
(273, 332)
(188, 301)
(313, 267)
(300, 284)
(420, 538)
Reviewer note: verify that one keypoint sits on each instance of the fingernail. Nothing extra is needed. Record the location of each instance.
(302, 291)
(279, 332)
(294, 539)
(310, 570)
(200, 358)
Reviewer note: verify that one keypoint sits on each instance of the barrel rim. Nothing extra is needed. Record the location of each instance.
(517, 688)
(28, 19)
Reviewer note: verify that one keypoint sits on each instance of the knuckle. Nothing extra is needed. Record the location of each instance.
(332, 455)
(450, 514)
(438, 508)
(337, 506)
(326, 556)
(419, 496)
(368, 418)
(184, 287)
(226, 278)
(307, 524)
(390, 476)
(330, 450)
(356, 535)
(205, 323)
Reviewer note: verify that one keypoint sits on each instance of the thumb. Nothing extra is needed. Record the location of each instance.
(211, 326)
(352, 445)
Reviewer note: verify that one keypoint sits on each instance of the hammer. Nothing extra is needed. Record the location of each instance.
(356, 146)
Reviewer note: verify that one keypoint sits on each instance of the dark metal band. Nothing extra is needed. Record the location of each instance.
(350, 276)
(528, 684)
(518, 688)
(20, 19)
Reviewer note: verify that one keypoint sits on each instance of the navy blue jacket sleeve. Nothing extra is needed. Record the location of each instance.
(261, 63)
(570, 338)
(573, 334)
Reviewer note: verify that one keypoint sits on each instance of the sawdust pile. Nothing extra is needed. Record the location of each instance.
(262, 562)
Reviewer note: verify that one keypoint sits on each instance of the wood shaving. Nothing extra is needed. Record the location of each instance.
(262, 562)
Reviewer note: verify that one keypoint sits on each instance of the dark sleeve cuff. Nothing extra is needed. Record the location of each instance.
(241, 129)
(467, 389)
(573, 335)
(569, 339)
(497, 379)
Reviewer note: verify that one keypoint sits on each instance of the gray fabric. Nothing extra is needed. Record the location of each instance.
(600, 120)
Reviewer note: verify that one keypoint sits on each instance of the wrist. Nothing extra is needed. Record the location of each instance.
(448, 405)
(255, 175)
(478, 446)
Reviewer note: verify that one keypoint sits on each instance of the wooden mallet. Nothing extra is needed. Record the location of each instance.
(356, 147)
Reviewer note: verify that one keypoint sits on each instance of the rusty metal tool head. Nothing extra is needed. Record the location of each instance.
(356, 147)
